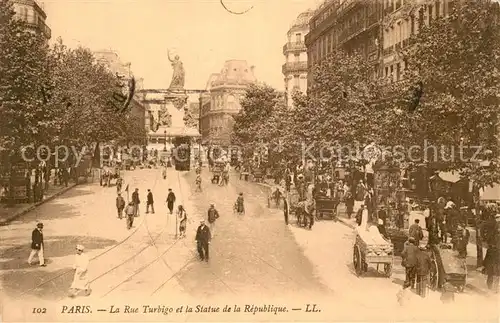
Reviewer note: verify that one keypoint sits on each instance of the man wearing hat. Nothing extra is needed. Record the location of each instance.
(170, 200)
(409, 261)
(37, 245)
(203, 238)
(120, 205)
(80, 279)
(416, 232)
(213, 215)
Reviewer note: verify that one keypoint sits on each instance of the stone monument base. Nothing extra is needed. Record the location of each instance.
(175, 104)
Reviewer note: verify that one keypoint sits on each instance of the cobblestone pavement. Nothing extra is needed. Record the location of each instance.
(252, 254)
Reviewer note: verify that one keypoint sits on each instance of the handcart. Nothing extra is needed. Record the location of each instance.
(447, 267)
(371, 248)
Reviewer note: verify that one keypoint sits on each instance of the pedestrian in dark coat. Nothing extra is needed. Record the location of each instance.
(492, 268)
(203, 238)
(433, 231)
(416, 232)
(463, 236)
(37, 246)
(409, 261)
(423, 270)
(359, 214)
(150, 202)
(120, 205)
(349, 203)
(136, 201)
(212, 216)
(170, 200)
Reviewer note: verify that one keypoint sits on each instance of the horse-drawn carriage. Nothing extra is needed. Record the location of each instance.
(326, 206)
(371, 248)
(302, 209)
(108, 174)
(217, 171)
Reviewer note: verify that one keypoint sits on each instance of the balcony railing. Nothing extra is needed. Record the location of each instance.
(294, 46)
(356, 28)
(39, 25)
(294, 67)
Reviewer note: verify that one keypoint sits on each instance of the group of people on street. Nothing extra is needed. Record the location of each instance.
(417, 263)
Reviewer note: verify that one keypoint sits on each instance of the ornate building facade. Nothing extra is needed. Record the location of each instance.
(222, 101)
(295, 68)
(33, 14)
(379, 30)
(352, 25)
(401, 19)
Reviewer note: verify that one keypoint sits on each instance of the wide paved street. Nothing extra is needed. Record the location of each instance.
(255, 258)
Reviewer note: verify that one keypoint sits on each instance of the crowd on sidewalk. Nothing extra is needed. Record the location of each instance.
(444, 223)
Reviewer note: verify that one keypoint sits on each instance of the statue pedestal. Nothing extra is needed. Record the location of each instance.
(176, 103)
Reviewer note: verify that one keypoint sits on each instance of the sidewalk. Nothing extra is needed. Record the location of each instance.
(476, 281)
(10, 213)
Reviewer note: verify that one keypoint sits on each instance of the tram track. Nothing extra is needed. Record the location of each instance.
(105, 252)
(160, 254)
(255, 279)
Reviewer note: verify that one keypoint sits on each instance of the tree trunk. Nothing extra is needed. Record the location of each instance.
(479, 241)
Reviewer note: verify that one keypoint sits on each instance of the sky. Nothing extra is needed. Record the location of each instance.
(201, 32)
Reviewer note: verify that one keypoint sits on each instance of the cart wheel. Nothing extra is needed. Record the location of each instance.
(434, 274)
(356, 260)
(388, 270)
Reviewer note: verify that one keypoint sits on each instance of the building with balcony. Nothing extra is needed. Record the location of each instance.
(221, 102)
(295, 51)
(113, 63)
(402, 19)
(33, 14)
(351, 25)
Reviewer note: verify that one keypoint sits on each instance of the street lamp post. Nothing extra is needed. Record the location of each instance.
(165, 142)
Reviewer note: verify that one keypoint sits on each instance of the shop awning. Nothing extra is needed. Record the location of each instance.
(451, 177)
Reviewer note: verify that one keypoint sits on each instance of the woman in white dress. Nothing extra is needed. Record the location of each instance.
(80, 280)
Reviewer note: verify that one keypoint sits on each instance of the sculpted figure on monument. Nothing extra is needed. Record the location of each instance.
(178, 73)
(189, 120)
(165, 118)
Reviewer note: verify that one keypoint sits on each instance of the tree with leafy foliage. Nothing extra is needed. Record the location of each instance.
(83, 93)
(25, 118)
(337, 107)
(251, 126)
(456, 62)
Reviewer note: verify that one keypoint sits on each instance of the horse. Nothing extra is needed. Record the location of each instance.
(305, 214)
